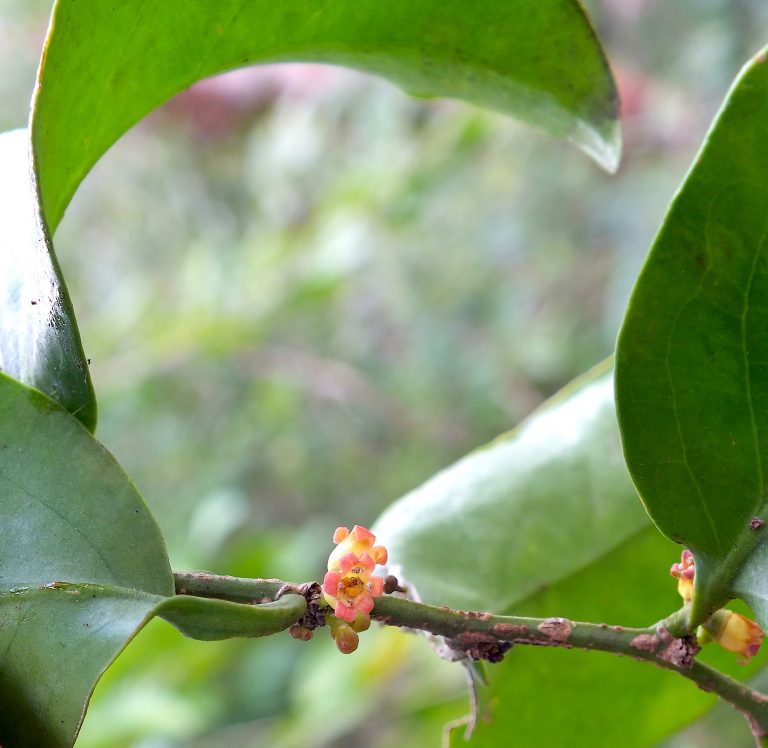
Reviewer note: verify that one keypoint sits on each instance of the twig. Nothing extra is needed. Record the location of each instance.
(667, 643)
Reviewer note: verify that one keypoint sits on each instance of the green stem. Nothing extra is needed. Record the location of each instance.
(485, 636)
(235, 589)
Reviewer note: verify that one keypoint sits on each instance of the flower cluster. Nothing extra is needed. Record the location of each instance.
(732, 631)
(349, 586)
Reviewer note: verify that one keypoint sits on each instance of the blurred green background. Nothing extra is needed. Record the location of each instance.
(303, 293)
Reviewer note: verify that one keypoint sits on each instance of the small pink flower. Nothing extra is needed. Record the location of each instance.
(684, 572)
(349, 587)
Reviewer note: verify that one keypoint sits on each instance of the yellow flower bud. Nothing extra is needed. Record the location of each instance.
(736, 633)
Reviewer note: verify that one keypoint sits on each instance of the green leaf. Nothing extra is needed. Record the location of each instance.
(529, 509)
(544, 521)
(82, 568)
(55, 644)
(692, 356)
(68, 513)
(39, 341)
(548, 696)
(106, 65)
(58, 638)
(209, 619)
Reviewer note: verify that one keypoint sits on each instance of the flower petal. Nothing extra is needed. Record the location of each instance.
(365, 604)
(375, 586)
(362, 534)
(348, 562)
(331, 583)
(367, 564)
(379, 554)
(344, 613)
(341, 533)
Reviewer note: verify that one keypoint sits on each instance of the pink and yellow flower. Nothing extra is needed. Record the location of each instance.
(736, 633)
(349, 587)
(732, 631)
(684, 572)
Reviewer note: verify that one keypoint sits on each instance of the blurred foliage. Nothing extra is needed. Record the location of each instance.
(303, 293)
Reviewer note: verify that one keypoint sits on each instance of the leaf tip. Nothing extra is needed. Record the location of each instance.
(603, 145)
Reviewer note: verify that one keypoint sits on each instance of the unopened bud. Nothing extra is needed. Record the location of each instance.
(736, 633)
(302, 633)
(346, 638)
(361, 623)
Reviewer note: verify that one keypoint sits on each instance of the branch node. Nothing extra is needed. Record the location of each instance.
(314, 617)
(678, 652)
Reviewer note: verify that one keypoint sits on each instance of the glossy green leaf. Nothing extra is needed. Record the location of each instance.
(545, 521)
(529, 509)
(82, 568)
(39, 341)
(106, 65)
(68, 514)
(692, 357)
(209, 619)
(55, 644)
(58, 638)
(68, 511)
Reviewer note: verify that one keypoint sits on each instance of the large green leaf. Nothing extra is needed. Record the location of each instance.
(545, 522)
(692, 357)
(529, 509)
(106, 65)
(82, 568)
(68, 514)
(39, 340)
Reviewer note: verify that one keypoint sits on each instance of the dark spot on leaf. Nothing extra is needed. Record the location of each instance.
(756, 523)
